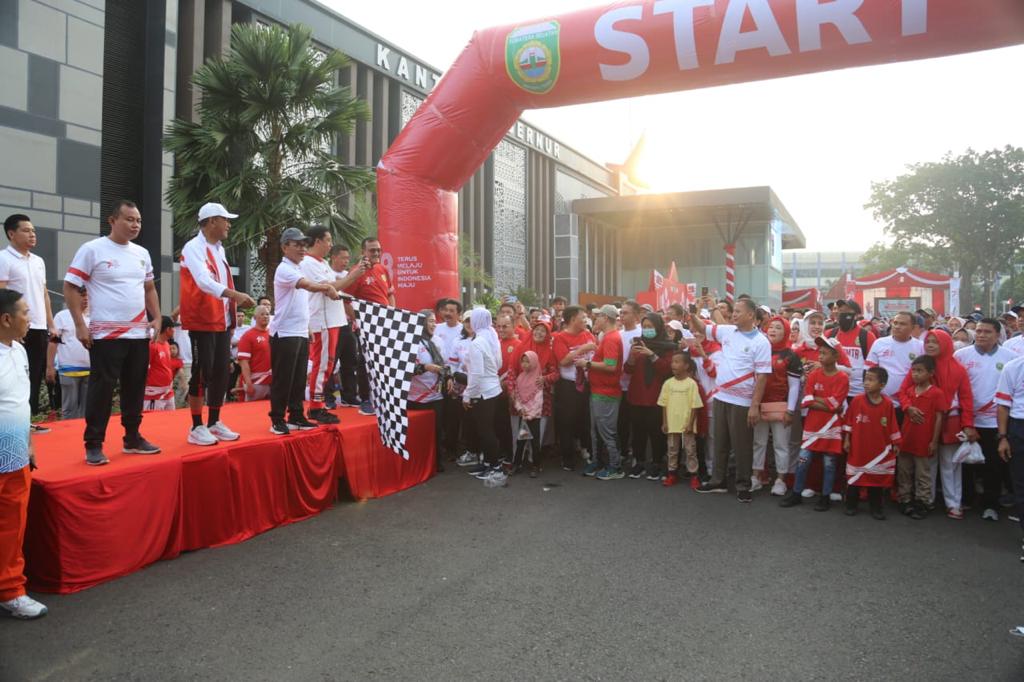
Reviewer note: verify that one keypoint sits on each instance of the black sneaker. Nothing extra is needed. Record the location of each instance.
(850, 511)
(824, 504)
(479, 468)
(878, 514)
(918, 512)
(792, 499)
(278, 427)
(38, 429)
(654, 475)
(300, 424)
(95, 457)
(568, 467)
(744, 496)
(323, 416)
(709, 488)
(906, 508)
(638, 471)
(137, 445)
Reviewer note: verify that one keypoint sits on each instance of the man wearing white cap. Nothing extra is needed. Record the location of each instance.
(208, 304)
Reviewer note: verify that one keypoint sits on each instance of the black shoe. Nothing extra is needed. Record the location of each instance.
(475, 470)
(330, 405)
(791, 499)
(568, 467)
(638, 471)
(918, 512)
(654, 475)
(744, 496)
(95, 457)
(38, 429)
(850, 511)
(323, 416)
(709, 488)
(878, 514)
(906, 508)
(824, 504)
(137, 445)
(278, 427)
(300, 424)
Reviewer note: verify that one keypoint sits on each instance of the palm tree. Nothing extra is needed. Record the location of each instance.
(271, 113)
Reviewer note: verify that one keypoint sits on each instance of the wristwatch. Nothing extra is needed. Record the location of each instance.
(1000, 436)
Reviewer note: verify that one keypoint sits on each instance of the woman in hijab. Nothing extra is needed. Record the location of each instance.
(425, 389)
(539, 343)
(649, 363)
(483, 389)
(952, 379)
(778, 407)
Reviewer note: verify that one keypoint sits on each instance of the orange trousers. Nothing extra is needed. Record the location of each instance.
(14, 490)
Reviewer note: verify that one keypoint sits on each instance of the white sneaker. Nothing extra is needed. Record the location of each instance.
(990, 515)
(467, 459)
(809, 493)
(755, 484)
(220, 431)
(24, 607)
(201, 435)
(779, 489)
(835, 497)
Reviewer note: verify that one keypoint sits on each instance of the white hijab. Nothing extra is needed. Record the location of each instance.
(481, 323)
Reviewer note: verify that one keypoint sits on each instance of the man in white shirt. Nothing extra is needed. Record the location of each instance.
(208, 306)
(17, 458)
(985, 362)
(289, 335)
(25, 272)
(742, 374)
(118, 277)
(68, 360)
(353, 388)
(448, 312)
(326, 318)
(894, 354)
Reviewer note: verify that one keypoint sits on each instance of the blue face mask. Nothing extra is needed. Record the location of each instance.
(649, 333)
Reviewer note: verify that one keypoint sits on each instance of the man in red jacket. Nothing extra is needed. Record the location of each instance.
(208, 303)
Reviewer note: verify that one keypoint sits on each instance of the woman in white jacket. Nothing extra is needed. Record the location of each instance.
(483, 388)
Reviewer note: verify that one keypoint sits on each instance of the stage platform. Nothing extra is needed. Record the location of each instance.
(88, 525)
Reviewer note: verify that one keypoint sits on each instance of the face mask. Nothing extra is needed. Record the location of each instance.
(846, 321)
(649, 333)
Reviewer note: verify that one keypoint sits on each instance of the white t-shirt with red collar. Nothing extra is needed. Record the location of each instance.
(983, 371)
(744, 356)
(114, 275)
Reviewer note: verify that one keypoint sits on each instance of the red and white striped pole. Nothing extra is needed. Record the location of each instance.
(730, 272)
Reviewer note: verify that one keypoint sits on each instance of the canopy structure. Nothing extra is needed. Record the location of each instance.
(886, 293)
(664, 290)
(809, 299)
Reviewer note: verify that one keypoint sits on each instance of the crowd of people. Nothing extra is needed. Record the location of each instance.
(809, 404)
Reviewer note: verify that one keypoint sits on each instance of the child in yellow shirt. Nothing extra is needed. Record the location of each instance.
(680, 400)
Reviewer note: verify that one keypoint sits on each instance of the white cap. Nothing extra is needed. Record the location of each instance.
(766, 309)
(677, 325)
(214, 211)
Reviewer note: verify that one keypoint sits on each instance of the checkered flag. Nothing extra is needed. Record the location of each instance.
(389, 337)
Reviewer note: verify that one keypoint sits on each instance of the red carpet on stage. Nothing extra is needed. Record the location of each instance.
(88, 525)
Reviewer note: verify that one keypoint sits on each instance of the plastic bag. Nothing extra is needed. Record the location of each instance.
(524, 431)
(968, 453)
(496, 480)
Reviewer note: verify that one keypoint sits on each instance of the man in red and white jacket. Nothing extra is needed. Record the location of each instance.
(208, 304)
(254, 357)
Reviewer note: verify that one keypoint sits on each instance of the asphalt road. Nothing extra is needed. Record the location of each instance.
(585, 580)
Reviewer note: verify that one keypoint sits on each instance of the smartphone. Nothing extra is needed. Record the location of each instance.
(703, 291)
(637, 341)
(693, 309)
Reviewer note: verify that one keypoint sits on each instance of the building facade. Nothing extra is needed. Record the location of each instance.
(819, 269)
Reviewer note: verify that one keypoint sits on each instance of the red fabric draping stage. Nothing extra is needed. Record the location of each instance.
(88, 525)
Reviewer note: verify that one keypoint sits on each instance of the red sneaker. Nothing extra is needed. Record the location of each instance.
(694, 482)
(670, 479)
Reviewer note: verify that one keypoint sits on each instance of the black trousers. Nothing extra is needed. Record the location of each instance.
(995, 472)
(35, 343)
(482, 415)
(113, 362)
(435, 406)
(349, 365)
(625, 429)
(503, 427)
(451, 423)
(874, 496)
(1015, 433)
(211, 359)
(362, 377)
(647, 429)
(572, 419)
(289, 356)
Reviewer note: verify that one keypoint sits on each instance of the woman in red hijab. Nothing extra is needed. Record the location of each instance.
(539, 342)
(951, 378)
(779, 404)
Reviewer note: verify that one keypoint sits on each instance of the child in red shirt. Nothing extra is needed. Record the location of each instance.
(159, 391)
(924, 407)
(871, 439)
(824, 398)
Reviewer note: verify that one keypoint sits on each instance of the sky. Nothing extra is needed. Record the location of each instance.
(818, 140)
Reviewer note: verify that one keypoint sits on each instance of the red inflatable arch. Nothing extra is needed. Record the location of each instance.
(629, 49)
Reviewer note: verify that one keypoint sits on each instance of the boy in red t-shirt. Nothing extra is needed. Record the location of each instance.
(871, 437)
(824, 399)
(162, 368)
(924, 406)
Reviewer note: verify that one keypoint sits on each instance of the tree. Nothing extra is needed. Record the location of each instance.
(270, 115)
(964, 214)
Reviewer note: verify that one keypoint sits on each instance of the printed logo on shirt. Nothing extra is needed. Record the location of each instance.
(885, 421)
(111, 264)
(912, 355)
(999, 366)
(260, 339)
(864, 419)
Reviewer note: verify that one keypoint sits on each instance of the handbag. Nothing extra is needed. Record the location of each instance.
(774, 412)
